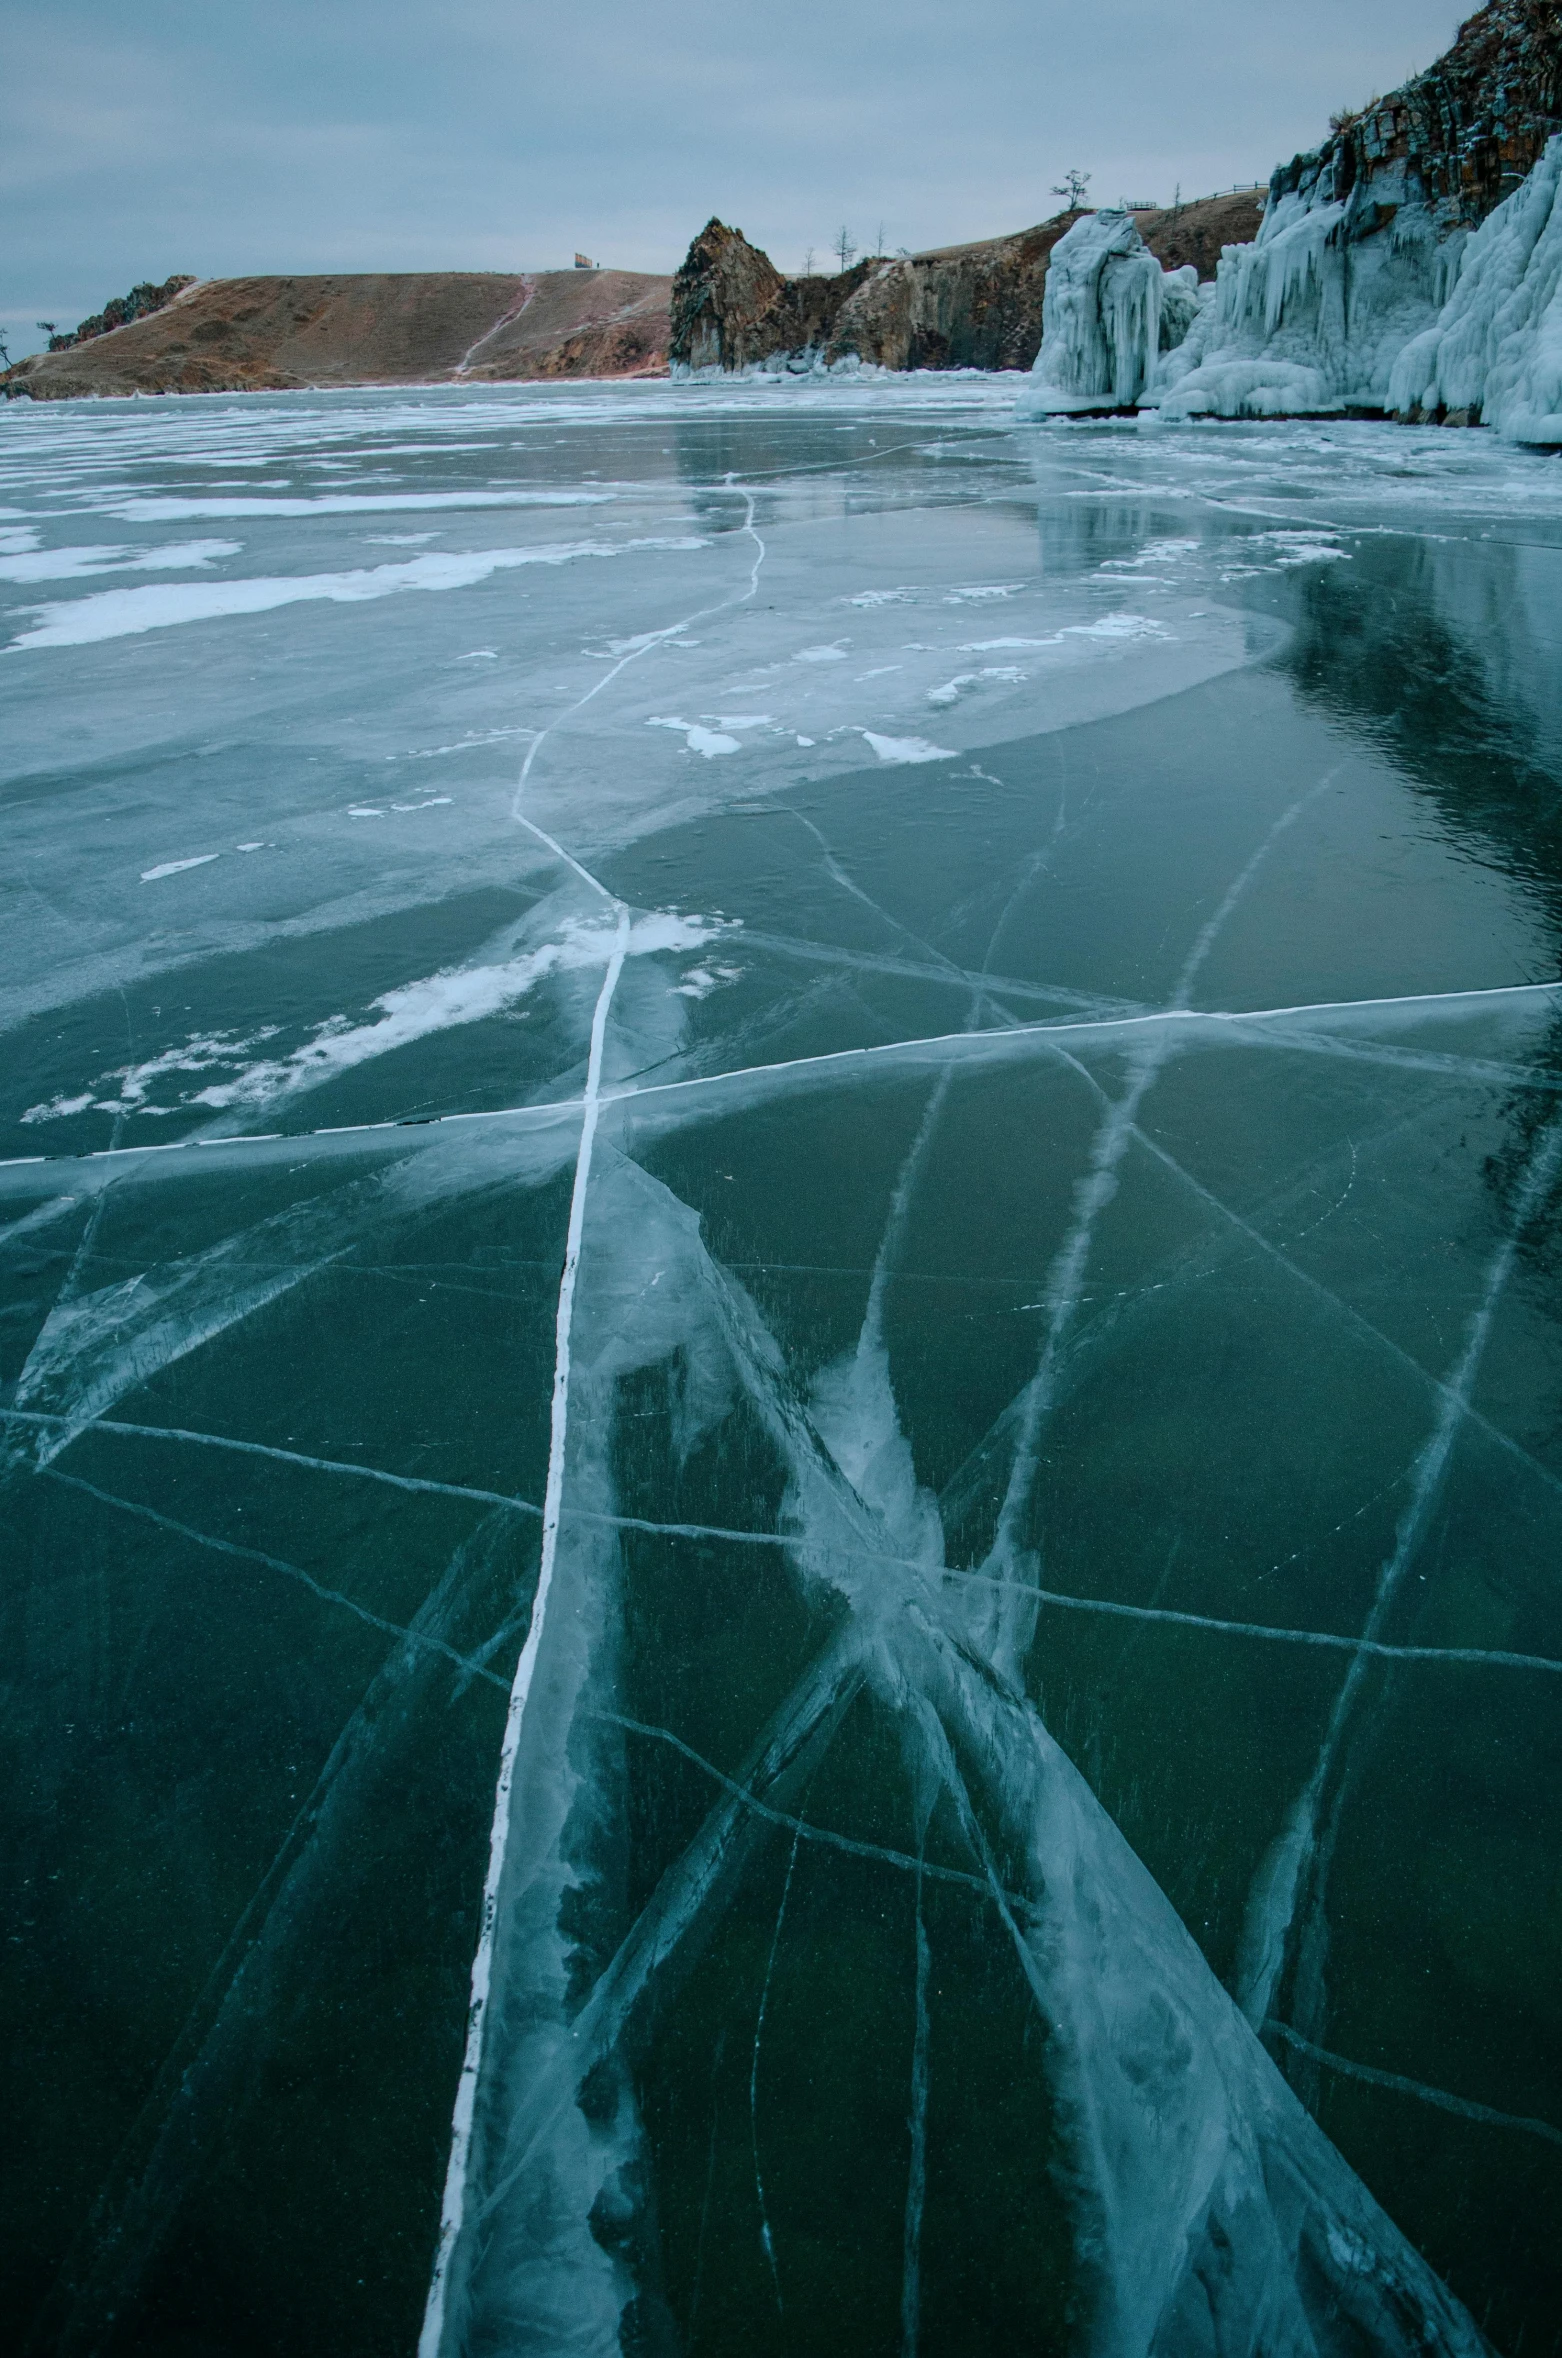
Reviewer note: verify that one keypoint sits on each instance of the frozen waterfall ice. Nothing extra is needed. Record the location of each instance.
(1339, 304)
(1108, 313)
(1494, 352)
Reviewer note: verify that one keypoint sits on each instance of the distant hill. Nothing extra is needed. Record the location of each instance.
(233, 335)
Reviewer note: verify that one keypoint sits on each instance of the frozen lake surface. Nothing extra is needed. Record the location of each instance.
(783, 1381)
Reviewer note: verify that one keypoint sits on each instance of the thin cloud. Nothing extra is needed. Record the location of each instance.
(394, 134)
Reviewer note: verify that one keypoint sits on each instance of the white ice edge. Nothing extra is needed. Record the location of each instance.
(1216, 1024)
(454, 2204)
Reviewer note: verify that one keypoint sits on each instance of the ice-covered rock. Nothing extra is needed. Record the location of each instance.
(1494, 353)
(1462, 329)
(1109, 313)
(1313, 314)
(1409, 264)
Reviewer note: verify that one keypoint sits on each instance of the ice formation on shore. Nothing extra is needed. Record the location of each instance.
(1108, 314)
(1338, 304)
(1495, 349)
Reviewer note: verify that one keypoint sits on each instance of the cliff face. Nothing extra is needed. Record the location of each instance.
(973, 306)
(1458, 138)
(419, 327)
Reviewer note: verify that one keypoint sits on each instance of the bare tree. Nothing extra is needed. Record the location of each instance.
(1071, 188)
(878, 239)
(808, 263)
(845, 245)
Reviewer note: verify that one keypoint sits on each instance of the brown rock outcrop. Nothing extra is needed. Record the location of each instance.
(971, 306)
(141, 300)
(975, 306)
(416, 327)
(574, 323)
(1195, 233)
(731, 306)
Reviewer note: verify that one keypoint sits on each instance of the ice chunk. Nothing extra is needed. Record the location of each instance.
(906, 749)
(177, 867)
(698, 738)
(1108, 313)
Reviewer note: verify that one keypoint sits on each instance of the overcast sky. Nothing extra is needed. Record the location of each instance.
(139, 137)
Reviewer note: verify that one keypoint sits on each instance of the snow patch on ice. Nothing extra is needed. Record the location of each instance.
(116, 613)
(164, 510)
(202, 1052)
(991, 646)
(411, 1012)
(698, 982)
(177, 867)
(70, 564)
(907, 749)
(699, 739)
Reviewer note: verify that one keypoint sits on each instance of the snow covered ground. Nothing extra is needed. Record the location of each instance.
(781, 1375)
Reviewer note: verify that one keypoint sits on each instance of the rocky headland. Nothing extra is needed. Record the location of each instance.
(969, 306)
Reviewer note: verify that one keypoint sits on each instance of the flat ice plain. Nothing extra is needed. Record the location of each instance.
(783, 1386)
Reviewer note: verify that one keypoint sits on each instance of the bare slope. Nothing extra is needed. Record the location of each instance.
(227, 335)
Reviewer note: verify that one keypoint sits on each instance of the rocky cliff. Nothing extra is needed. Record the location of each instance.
(971, 306)
(230, 335)
(1456, 139)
